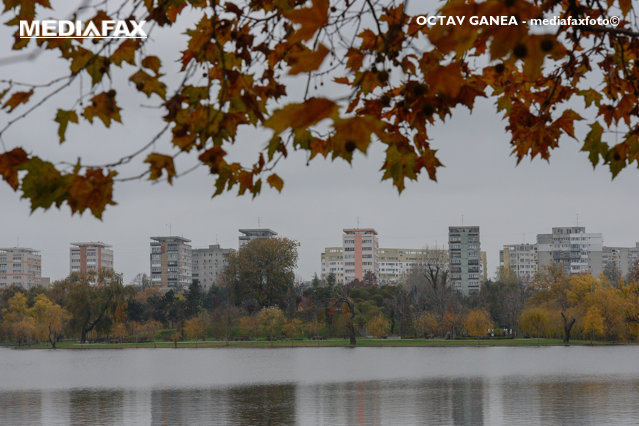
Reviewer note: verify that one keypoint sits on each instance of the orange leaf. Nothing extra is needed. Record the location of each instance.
(159, 162)
(300, 116)
(16, 99)
(306, 61)
(311, 19)
(8, 163)
(104, 107)
(275, 181)
(153, 63)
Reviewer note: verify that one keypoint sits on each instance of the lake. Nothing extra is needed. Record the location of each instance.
(472, 385)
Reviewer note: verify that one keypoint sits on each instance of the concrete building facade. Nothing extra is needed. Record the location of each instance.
(466, 265)
(572, 248)
(90, 258)
(208, 264)
(360, 253)
(521, 259)
(20, 266)
(395, 263)
(623, 257)
(333, 263)
(171, 267)
(254, 234)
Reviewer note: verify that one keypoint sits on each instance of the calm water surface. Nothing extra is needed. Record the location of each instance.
(475, 386)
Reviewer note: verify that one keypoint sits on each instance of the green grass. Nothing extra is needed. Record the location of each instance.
(362, 342)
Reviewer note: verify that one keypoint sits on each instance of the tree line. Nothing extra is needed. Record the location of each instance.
(257, 298)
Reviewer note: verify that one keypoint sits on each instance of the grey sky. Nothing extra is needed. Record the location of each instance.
(480, 181)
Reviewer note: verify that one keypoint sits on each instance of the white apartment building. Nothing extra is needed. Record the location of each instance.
(520, 259)
(254, 234)
(20, 266)
(572, 248)
(171, 267)
(623, 257)
(466, 263)
(208, 264)
(90, 258)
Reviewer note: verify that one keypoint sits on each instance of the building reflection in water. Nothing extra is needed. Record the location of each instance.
(463, 401)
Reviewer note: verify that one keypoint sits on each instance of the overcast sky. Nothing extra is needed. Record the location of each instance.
(510, 203)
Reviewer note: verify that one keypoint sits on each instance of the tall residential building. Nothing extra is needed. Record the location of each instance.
(623, 257)
(255, 234)
(360, 253)
(395, 263)
(521, 259)
(209, 264)
(171, 267)
(466, 266)
(90, 258)
(572, 248)
(20, 266)
(333, 263)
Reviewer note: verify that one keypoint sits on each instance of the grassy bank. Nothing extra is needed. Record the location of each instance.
(363, 342)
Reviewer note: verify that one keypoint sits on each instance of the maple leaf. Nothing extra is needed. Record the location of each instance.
(93, 191)
(9, 161)
(148, 84)
(566, 121)
(125, 52)
(159, 163)
(16, 99)
(43, 184)
(104, 107)
(311, 19)
(62, 118)
(276, 182)
(299, 116)
(153, 63)
(306, 60)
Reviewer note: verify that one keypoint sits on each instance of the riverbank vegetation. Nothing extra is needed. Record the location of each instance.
(420, 310)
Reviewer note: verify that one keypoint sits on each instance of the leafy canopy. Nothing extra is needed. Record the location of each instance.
(397, 79)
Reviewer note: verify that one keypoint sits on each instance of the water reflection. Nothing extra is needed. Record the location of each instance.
(471, 401)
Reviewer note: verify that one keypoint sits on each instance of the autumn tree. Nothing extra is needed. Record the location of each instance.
(262, 270)
(535, 322)
(195, 328)
(50, 319)
(271, 320)
(427, 324)
(477, 323)
(378, 326)
(392, 76)
(19, 326)
(593, 323)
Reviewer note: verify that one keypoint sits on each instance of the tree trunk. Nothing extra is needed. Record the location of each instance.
(567, 327)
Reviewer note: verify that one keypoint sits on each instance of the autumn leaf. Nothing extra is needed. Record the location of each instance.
(148, 84)
(125, 52)
(62, 118)
(9, 161)
(275, 181)
(593, 144)
(153, 63)
(301, 115)
(311, 19)
(104, 107)
(16, 99)
(306, 61)
(566, 121)
(93, 191)
(43, 184)
(159, 163)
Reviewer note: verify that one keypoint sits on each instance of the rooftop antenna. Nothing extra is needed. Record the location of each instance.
(462, 219)
(577, 219)
(357, 222)
(216, 241)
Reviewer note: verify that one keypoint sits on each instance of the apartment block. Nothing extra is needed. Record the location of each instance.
(395, 263)
(573, 249)
(360, 253)
(208, 264)
(466, 264)
(520, 259)
(333, 263)
(20, 266)
(623, 257)
(171, 267)
(90, 258)
(254, 234)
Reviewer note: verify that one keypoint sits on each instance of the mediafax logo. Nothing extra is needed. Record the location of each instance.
(82, 29)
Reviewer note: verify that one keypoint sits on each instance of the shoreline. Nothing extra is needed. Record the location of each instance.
(329, 343)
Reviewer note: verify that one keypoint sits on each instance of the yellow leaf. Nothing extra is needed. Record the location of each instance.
(311, 19)
(275, 181)
(307, 60)
(158, 163)
(301, 115)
